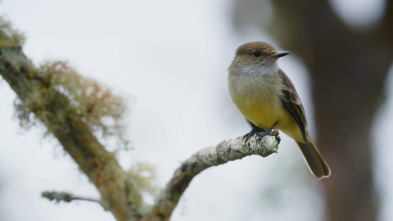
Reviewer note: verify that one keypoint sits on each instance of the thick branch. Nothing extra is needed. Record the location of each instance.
(54, 110)
(118, 192)
(211, 156)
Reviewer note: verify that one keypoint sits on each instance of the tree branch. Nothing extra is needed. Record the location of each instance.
(66, 197)
(53, 109)
(39, 94)
(211, 156)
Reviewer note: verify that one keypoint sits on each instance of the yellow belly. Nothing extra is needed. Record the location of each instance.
(261, 114)
(258, 99)
(264, 114)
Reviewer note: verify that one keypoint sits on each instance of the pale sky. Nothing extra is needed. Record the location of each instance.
(170, 57)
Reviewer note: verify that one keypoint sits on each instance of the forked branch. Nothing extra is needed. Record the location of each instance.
(41, 94)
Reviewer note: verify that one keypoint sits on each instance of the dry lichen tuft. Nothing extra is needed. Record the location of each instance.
(97, 106)
(8, 36)
(144, 177)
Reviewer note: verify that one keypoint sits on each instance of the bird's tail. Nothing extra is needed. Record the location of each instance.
(314, 159)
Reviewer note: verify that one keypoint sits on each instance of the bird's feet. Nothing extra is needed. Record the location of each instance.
(252, 133)
(267, 132)
(260, 133)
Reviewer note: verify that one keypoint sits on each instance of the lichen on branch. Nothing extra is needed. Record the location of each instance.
(98, 107)
(211, 156)
(48, 95)
(76, 109)
(8, 36)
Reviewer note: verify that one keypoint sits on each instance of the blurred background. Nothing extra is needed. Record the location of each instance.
(170, 58)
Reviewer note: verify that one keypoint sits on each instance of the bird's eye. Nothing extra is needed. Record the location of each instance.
(256, 53)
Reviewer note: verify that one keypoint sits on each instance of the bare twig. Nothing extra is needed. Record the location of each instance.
(66, 197)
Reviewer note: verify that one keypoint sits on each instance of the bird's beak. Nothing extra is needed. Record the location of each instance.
(280, 54)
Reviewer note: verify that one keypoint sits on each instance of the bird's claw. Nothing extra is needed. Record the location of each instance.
(268, 132)
(247, 136)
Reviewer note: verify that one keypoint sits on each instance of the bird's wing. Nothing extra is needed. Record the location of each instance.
(292, 103)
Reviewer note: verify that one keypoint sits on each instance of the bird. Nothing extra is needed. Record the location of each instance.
(268, 100)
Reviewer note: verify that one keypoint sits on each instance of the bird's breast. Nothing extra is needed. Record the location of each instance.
(257, 98)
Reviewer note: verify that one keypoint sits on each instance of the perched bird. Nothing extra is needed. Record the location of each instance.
(267, 98)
